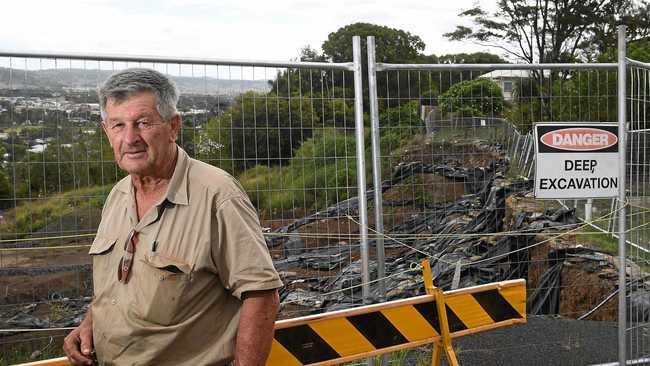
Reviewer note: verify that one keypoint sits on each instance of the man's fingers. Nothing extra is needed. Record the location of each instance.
(86, 336)
(71, 348)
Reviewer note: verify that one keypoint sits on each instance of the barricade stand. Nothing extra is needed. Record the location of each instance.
(445, 339)
(367, 331)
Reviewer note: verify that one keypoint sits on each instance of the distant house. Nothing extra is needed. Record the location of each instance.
(507, 79)
(38, 148)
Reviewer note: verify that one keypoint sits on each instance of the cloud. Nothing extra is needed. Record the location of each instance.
(253, 29)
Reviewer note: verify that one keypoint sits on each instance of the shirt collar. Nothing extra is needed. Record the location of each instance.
(177, 188)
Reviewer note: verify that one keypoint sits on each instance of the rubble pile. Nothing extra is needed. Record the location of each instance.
(488, 234)
(58, 313)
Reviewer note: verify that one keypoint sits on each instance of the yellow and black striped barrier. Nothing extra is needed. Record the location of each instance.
(347, 335)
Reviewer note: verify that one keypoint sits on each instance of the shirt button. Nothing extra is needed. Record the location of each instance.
(113, 301)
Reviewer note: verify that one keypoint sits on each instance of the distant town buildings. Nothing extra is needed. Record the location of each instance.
(21, 104)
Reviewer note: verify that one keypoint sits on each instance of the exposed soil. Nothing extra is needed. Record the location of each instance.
(467, 153)
(584, 283)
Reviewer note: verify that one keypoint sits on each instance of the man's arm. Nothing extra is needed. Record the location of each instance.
(255, 332)
(78, 345)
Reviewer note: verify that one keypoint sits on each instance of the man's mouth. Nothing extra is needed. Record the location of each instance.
(133, 153)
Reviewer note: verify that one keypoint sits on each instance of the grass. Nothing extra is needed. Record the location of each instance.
(321, 172)
(32, 349)
(59, 311)
(420, 356)
(490, 134)
(32, 216)
(19, 129)
(597, 239)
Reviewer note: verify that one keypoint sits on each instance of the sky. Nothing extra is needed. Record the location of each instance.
(223, 29)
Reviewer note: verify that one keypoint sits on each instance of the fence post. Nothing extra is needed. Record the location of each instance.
(515, 156)
(376, 166)
(361, 168)
(589, 207)
(622, 87)
(529, 142)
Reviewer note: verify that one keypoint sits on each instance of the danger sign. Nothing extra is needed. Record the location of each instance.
(576, 160)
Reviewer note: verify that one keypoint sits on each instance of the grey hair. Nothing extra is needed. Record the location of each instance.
(123, 84)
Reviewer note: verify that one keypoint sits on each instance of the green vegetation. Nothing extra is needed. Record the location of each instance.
(597, 239)
(32, 216)
(259, 128)
(22, 351)
(473, 98)
(293, 146)
(556, 30)
(321, 172)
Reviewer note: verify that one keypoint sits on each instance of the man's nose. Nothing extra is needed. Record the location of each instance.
(131, 134)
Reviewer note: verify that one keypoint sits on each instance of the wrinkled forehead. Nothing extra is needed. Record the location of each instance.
(133, 107)
(119, 97)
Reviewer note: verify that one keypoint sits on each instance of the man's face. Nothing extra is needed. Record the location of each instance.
(142, 142)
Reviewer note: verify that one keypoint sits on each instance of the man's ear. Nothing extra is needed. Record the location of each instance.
(103, 123)
(175, 124)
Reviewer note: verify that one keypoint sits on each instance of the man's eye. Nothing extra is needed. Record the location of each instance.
(144, 125)
(117, 126)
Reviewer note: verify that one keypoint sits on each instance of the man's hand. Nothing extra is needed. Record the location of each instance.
(78, 345)
(255, 332)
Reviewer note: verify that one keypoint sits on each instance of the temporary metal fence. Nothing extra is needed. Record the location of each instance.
(450, 173)
(451, 158)
(638, 196)
(291, 132)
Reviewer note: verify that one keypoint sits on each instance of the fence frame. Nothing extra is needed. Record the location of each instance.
(622, 133)
(355, 67)
(518, 141)
(621, 66)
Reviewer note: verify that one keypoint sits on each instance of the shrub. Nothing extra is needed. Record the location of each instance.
(473, 98)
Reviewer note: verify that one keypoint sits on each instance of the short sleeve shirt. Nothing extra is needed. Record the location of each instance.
(197, 251)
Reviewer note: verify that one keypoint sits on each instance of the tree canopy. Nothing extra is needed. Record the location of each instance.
(473, 98)
(554, 30)
(392, 45)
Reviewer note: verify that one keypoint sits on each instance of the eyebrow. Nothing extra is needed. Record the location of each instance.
(139, 117)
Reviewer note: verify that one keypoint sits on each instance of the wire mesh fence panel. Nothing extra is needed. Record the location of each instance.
(285, 131)
(638, 248)
(455, 161)
(457, 168)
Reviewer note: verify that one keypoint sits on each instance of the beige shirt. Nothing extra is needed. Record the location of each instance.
(192, 262)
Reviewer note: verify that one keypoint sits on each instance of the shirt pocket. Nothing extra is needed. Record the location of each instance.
(101, 252)
(159, 286)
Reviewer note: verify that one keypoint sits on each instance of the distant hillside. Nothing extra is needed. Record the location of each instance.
(55, 79)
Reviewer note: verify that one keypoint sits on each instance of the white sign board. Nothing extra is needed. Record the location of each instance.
(576, 160)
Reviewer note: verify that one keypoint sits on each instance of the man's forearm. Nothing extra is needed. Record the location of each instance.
(255, 332)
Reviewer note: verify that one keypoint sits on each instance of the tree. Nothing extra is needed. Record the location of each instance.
(451, 77)
(553, 30)
(473, 98)
(392, 45)
(258, 128)
(634, 14)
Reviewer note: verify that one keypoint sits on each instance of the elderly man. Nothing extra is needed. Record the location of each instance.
(181, 272)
